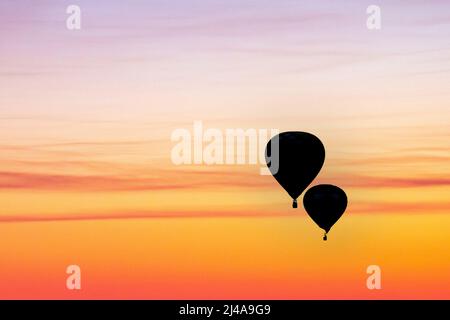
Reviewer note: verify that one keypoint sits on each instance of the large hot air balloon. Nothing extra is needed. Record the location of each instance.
(295, 158)
(325, 204)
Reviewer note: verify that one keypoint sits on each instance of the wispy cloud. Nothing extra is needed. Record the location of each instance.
(395, 160)
(16, 180)
(164, 180)
(141, 215)
(354, 208)
(193, 179)
(399, 207)
(362, 181)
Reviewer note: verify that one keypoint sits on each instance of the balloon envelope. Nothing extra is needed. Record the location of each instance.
(295, 158)
(325, 204)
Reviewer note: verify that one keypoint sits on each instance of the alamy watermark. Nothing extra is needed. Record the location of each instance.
(213, 146)
(73, 21)
(373, 21)
(374, 280)
(73, 281)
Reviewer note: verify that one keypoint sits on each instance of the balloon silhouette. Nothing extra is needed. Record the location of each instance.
(325, 204)
(295, 158)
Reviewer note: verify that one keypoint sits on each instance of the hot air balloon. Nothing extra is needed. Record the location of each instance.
(295, 158)
(325, 204)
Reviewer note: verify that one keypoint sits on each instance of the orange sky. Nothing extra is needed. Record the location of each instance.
(86, 176)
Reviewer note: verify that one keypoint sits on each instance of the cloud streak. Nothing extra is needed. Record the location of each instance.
(399, 207)
(361, 181)
(354, 208)
(194, 179)
(171, 180)
(17, 218)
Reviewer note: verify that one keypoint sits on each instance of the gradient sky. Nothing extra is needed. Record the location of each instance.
(86, 176)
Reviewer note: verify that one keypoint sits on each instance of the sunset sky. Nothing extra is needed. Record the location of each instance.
(86, 176)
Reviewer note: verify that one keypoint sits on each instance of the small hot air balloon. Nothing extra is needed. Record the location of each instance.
(325, 204)
(295, 158)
